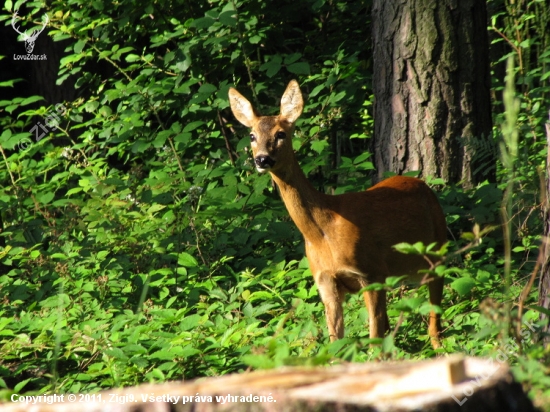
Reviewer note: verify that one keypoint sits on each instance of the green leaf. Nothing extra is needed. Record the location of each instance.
(130, 58)
(415, 249)
(9, 83)
(185, 259)
(5, 136)
(161, 138)
(61, 256)
(291, 58)
(207, 88)
(316, 90)
(190, 322)
(463, 285)
(116, 353)
(18, 387)
(255, 39)
(203, 22)
(336, 97)
(258, 361)
(409, 304)
(228, 18)
(5, 322)
(188, 351)
(91, 106)
(102, 254)
(260, 295)
(319, 145)
(273, 66)
(361, 158)
(192, 126)
(31, 99)
(388, 345)
(155, 208)
(140, 146)
(79, 45)
(46, 198)
(298, 68)
(163, 354)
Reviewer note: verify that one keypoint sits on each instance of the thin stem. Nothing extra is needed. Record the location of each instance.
(246, 58)
(227, 144)
(7, 165)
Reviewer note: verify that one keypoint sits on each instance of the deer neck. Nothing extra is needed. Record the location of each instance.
(306, 206)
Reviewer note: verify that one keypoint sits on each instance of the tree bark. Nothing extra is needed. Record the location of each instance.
(43, 74)
(544, 284)
(432, 88)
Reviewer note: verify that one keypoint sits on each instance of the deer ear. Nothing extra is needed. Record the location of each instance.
(292, 102)
(241, 108)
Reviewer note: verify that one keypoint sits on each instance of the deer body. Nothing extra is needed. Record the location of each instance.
(348, 237)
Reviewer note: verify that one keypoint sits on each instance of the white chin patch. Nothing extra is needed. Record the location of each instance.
(262, 169)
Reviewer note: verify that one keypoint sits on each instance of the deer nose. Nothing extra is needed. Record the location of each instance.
(264, 162)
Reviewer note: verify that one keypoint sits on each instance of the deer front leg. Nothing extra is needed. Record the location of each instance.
(378, 317)
(435, 286)
(333, 297)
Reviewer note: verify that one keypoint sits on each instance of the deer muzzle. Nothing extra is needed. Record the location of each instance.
(263, 163)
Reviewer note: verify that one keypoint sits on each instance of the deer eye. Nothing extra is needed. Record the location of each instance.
(252, 137)
(280, 135)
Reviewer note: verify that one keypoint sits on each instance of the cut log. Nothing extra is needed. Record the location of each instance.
(445, 384)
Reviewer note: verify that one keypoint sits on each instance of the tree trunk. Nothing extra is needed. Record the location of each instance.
(43, 74)
(544, 285)
(432, 88)
(440, 385)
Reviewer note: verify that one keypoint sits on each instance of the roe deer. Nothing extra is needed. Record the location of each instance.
(348, 237)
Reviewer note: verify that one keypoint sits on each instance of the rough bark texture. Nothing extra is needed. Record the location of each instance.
(431, 84)
(544, 284)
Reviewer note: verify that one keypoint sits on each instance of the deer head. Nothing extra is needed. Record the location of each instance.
(271, 136)
(29, 39)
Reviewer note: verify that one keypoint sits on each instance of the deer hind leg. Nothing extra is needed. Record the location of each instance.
(378, 317)
(333, 296)
(435, 286)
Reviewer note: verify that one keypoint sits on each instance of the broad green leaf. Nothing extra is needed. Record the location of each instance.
(190, 322)
(79, 46)
(255, 39)
(31, 99)
(319, 145)
(116, 353)
(463, 285)
(46, 197)
(185, 259)
(299, 68)
(203, 22)
(192, 126)
(19, 386)
(228, 18)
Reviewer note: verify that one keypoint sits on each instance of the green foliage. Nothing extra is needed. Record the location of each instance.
(139, 245)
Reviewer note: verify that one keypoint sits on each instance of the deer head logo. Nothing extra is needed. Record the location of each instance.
(29, 38)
